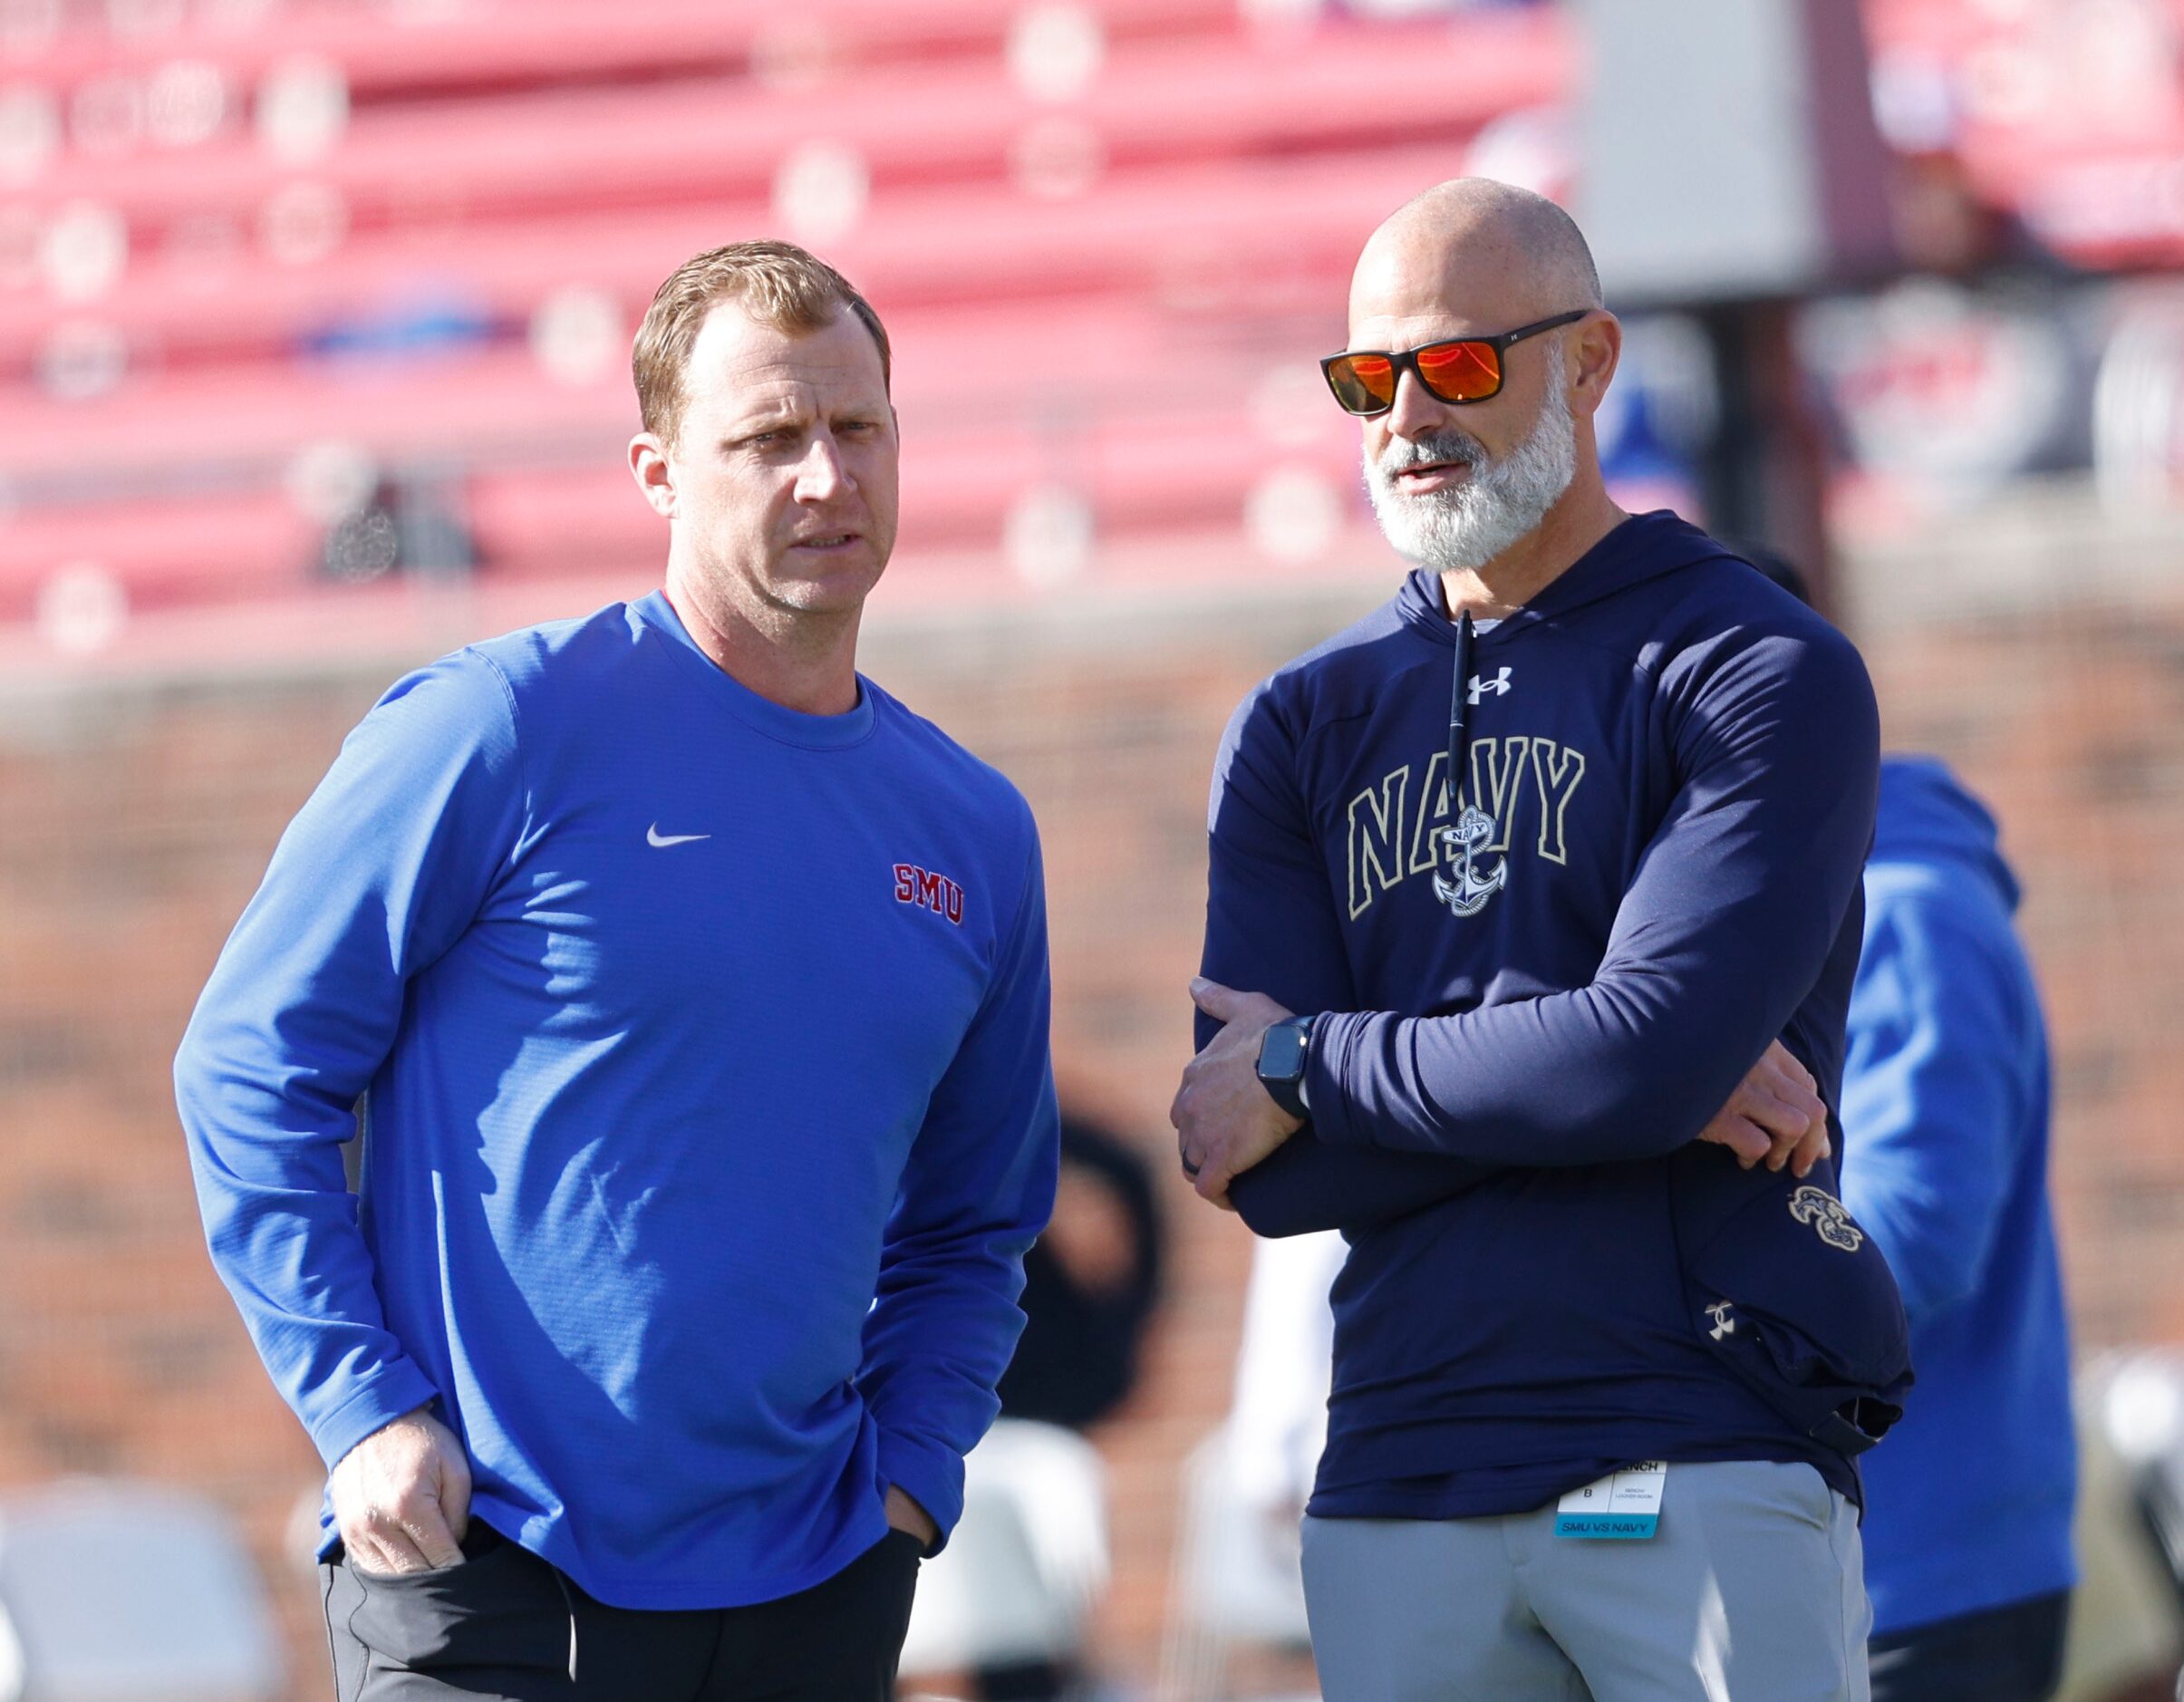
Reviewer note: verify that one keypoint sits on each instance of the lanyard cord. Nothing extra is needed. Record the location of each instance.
(1469, 829)
(1459, 711)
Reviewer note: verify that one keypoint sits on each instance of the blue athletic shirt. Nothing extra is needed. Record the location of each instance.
(685, 1025)
(1680, 762)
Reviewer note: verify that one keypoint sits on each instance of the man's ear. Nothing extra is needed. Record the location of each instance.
(653, 469)
(1594, 350)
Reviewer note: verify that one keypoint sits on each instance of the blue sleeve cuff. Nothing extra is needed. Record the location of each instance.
(929, 1474)
(399, 1389)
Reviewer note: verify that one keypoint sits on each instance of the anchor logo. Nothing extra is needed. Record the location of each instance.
(1830, 1220)
(1466, 895)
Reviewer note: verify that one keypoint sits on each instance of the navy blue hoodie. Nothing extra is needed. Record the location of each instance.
(1945, 1107)
(1547, 1278)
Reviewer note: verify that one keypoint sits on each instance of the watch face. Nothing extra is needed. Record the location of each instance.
(1282, 1054)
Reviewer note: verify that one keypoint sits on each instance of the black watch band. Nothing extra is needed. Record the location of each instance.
(1284, 1051)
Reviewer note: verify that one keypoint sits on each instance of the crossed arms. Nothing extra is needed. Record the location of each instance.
(1723, 931)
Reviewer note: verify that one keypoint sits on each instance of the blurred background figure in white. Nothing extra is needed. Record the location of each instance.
(1004, 1613)
(1237, 1587)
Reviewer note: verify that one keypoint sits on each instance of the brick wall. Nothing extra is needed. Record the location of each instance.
(135, 817)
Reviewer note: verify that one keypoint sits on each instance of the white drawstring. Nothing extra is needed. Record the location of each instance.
(568, 1601)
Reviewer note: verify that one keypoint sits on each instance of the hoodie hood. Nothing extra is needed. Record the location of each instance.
(1642, 547)
(1926, 816)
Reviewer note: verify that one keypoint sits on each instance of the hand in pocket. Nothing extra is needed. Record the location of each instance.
(402, 1497)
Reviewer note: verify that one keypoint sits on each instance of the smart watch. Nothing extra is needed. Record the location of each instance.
(1284, 1052)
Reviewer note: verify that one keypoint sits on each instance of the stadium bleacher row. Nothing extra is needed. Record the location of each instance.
(1141, 236)
(1109, 239)
(666, 142)
(406, 47)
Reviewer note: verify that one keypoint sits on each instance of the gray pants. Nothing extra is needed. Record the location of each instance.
(1752, 1590)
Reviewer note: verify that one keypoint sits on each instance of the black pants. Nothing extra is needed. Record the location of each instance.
(2005, 1654)
(508, 1627)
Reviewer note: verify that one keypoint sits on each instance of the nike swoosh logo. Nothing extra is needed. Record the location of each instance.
(653, 837)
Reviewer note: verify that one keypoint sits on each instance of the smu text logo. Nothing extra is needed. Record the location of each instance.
(914, 886)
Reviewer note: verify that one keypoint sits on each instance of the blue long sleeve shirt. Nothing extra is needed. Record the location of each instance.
(1945, 1114)
(701, 1048)
(1680, 760)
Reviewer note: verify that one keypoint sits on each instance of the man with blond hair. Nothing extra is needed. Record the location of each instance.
(694, 994)
(1511, 883)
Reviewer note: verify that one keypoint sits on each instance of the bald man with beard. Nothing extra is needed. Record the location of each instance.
(1607, 1343)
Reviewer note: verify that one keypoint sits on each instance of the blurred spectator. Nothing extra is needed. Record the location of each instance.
(412, 521)
(1946, 226)
(1279, 1422)
(1090, 1283)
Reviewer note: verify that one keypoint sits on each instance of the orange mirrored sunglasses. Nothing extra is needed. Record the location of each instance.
(1463, 369)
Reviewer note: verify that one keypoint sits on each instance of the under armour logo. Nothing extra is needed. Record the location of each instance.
(1723, 1325)
(1830, 1220)
(1479, 688)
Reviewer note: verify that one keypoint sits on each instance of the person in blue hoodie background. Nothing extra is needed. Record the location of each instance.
(1944, 1118)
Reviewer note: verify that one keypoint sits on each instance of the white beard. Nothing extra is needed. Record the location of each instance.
(1470, 523)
